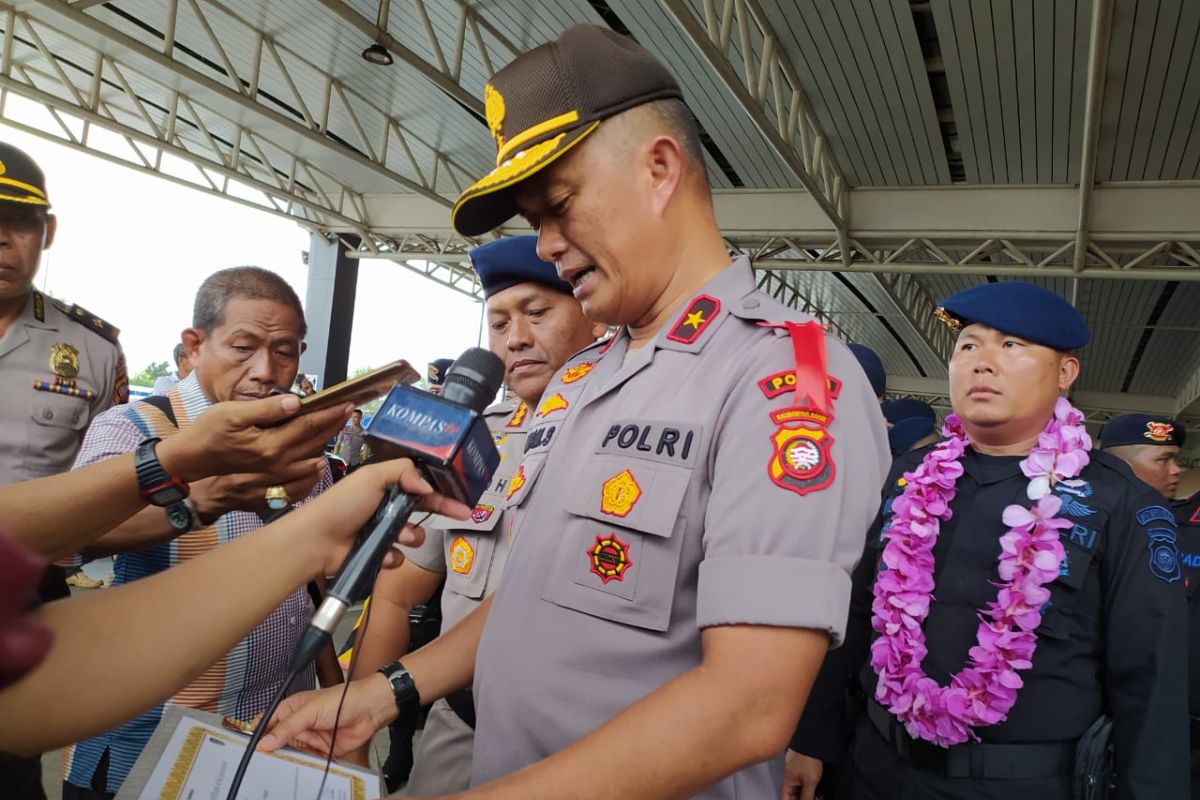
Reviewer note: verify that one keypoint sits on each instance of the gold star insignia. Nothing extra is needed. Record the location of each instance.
(695, 319)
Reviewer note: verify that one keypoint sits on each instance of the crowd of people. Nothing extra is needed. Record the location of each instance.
(716, 560)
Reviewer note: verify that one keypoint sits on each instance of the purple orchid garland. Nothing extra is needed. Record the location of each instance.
(1031, 553)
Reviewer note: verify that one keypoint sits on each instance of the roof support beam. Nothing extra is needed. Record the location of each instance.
(232, 102)
(444, 75)
(792, 131)
(1094, 98)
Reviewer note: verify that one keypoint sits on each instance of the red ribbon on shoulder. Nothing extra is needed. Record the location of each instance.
(812, 366)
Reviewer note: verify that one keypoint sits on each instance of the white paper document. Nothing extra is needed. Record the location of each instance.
(200, 759)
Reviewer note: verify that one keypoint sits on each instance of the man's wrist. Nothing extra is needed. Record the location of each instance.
(173, 454)
(383, 701)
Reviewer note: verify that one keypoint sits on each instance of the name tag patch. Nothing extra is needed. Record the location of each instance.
(667, 442)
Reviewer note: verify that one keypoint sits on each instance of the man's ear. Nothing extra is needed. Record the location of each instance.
(303, 347)
(1068, 373)
(666, 162)
(49, 231)
(192, 338)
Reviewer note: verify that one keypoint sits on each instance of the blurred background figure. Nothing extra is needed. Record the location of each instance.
(183, 368)
(912, 424)
(871, 363)
(435, 374)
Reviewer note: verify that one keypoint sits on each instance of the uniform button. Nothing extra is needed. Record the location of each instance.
(75, 419)
(751, 303)
(47, 414)
(291, 620)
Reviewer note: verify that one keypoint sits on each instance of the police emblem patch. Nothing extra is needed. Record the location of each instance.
(518, 480)
(619, 494)
(481, 513)
(493, 109)
(555, 402)
(462, 555)
(801, 461)
(64, 360)
(518, 417)
(610, 558)
(577, 372)
(1164, 555)
(1159, 431)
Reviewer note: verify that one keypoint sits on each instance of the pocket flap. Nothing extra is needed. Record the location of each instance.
(633, 493)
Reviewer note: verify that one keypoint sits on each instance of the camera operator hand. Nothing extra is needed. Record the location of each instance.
(146, 640)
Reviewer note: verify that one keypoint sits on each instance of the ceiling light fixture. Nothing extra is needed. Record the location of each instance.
(377, 54)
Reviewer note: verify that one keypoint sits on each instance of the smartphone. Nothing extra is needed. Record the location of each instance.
(362, 389)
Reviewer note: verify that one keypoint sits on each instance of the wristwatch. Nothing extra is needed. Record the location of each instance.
(404, 690)
(159, 488)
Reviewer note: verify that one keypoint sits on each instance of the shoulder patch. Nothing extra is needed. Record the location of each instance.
(1152, 513)
(90, 321)
(783, 382)
(692, 322)
(1164, 555)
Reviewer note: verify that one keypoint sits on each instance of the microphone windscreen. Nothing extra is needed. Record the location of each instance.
(474, 379)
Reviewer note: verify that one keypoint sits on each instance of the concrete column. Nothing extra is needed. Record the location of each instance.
(329, 309)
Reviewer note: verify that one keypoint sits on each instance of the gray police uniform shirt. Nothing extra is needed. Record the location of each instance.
(473, 553)
(684, 487)
(60, 367)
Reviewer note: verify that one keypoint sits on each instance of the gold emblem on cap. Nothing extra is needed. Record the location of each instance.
(951, 322)
(493, 107)
(64, 360)
(3, 168)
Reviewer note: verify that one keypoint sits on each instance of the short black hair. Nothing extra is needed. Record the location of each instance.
(247, 283)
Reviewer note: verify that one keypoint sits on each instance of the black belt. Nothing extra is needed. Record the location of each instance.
(974, 759)
(463, 704)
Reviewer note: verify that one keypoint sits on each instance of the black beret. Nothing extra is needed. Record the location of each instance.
(1018, 309)
(1141, 429)
(869, 360)
(507, 262)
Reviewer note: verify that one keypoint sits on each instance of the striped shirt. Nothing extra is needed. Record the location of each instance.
(241, 682)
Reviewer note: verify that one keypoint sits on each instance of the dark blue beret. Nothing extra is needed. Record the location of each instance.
(512, 260)
(907, 432)
(896, 410)
(871, 365)
(1018, 309)
(1141, 429)
(436, 373)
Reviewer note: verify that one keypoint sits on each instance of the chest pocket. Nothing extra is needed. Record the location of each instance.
(58, 423)
(470, 547)
(1063, 615)
(618, 557)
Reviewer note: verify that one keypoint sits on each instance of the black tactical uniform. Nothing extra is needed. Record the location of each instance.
(1109, 644)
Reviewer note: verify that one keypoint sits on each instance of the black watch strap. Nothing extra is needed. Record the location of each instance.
(159, 488)
(404, 690)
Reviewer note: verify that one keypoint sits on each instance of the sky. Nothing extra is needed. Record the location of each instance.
(133, 249)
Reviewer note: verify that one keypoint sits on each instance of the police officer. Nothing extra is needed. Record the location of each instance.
(998, 640)
(534, 325)
(60, 366)
(692, 494)
(435, 374)
(1150, 445)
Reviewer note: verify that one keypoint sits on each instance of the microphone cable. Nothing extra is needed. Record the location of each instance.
(294, 672)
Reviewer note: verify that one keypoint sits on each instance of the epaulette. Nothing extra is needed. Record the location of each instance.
(90, 321)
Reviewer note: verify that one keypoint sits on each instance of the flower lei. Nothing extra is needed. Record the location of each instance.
(986, 689)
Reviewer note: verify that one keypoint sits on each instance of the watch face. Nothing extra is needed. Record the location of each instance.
(180, 517)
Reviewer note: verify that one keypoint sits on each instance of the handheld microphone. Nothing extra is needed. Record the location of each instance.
(448, 439)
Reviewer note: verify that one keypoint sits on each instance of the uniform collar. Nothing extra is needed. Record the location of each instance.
(36, 313)
(985, 469)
